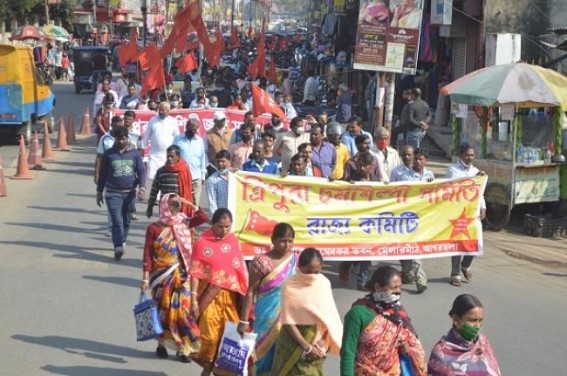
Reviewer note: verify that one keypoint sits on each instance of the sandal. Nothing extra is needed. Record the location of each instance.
(467, 274)
(456, 281)
(184, 358)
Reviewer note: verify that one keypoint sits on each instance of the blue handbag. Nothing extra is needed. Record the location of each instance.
(406, 365)
(148, 324)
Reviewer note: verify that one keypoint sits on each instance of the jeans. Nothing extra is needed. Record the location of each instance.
(118, 204)
(457, 265)
(414, 138)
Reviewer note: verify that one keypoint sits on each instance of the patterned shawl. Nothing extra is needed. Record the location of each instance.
(178, 223)
(454, 356)
(220, 262)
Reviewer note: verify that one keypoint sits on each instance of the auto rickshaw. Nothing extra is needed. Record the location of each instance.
(86, 77)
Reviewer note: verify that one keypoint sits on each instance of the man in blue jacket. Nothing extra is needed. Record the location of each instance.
(121, 171)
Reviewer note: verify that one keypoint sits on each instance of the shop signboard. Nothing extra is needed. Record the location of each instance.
(441, 12)
(387, 38)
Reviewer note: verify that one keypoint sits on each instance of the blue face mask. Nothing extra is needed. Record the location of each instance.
(162, 116)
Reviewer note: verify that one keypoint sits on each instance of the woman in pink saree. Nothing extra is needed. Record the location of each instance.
(267, 273)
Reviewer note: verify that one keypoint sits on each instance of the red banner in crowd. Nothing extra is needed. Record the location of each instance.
(234, 118)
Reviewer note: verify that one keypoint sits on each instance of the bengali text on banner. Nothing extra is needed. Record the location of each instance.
(361, 221)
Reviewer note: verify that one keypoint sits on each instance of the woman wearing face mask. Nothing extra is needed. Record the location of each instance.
(464, 350)
(378, 331)
(311, 323)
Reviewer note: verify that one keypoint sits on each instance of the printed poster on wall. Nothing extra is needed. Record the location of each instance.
(387, 38)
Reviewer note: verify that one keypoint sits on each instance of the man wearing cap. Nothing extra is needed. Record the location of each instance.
(159, 134)
(218, 137)
(200, 95)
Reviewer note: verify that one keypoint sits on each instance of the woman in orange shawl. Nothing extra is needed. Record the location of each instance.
(311, 323)
(218, 275)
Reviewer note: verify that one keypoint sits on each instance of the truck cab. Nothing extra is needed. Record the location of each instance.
(24, 96)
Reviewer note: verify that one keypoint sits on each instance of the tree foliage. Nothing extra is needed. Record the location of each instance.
(32, 11)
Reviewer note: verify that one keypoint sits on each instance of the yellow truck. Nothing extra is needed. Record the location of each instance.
(25, 98)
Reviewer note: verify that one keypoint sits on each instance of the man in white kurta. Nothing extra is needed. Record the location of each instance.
(159, 136)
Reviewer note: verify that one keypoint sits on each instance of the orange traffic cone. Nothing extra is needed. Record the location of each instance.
(3, 192)
(47, 153)
(23, 172)
(71, 138)
(62, 137)
(34, 159)
(86, 124)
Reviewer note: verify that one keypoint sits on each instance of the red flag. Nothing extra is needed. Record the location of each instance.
(260, 224)
(129, 51)
(187, 63)
(149, 57)
(169, 43)
(154, 79)
(213, 57)
(271, 74)
(202, 34)
(260, 61)
(262, 103)
(234, 41)
(253, 69)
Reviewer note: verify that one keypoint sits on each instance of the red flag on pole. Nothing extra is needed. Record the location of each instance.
(154, 79)
(258, 66)
(129, 51)
(262, 103)
(149, 57)
(271, 74)
(187, 63)
(234, 42)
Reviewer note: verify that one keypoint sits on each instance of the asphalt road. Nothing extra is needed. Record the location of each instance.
(67, 305)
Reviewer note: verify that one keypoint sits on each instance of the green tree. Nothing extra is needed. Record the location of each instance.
(19, 10)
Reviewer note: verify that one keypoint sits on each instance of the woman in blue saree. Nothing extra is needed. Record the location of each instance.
(267, 273)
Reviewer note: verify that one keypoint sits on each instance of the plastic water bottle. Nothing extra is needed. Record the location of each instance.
(547, 159)
(520, 154)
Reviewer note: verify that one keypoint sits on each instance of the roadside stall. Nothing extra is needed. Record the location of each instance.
(512, 115)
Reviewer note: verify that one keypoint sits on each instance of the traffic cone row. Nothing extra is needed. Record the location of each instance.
(34, 159)
(23, 172)
(47, 152)
(62, 137)
(65, 136)
(85, 124)
(3, 192)
(71, 138)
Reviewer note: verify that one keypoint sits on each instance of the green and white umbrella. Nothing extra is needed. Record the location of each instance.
(57, 33)
(522, 84)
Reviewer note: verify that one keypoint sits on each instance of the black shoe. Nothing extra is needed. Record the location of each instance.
(161, 352)
(118, 252)
(184, 358)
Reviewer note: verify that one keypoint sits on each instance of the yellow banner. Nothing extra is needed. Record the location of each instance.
(369, 221)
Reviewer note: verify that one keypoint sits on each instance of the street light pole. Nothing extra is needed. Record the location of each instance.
(144, 9)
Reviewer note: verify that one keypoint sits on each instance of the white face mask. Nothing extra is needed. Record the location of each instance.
(169, 91)
(214, 104)
(174, 103)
